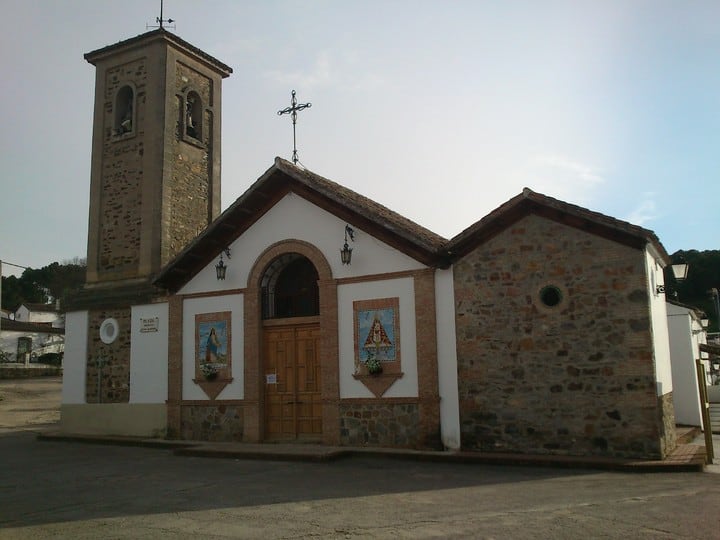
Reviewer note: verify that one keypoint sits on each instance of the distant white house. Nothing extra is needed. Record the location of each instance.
(40, 313)
(31, 331)
(686, 333)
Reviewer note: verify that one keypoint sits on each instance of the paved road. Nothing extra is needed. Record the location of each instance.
(71, 490)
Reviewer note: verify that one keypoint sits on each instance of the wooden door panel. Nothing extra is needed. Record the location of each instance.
(293, 406)
(309, 398)
(279, 398)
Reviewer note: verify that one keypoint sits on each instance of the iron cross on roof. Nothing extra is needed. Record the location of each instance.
(293, 110)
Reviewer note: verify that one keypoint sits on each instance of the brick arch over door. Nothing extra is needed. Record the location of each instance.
(255, 378)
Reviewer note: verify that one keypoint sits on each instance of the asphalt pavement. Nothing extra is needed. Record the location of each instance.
(52, 489)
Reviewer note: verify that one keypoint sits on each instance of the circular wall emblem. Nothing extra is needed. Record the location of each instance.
(109, 330)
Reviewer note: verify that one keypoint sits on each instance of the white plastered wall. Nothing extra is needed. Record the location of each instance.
(294, 218)
(75, 358)
(138, 418)
(684, 350)
(149, 354)
(659, 323)
(447, 359)
(402, 288)
(213, 304)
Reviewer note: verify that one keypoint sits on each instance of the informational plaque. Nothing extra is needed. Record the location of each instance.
(271, 378)
(151, 324)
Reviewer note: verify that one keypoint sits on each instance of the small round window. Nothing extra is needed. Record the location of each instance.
(550, 296)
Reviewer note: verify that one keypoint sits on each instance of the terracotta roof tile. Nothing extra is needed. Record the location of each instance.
(361, 204)
(280, 179)
(531, 202)
(405, 235)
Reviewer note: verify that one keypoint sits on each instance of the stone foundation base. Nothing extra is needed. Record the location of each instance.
(217, 423)
(380, 424)
(668, 436)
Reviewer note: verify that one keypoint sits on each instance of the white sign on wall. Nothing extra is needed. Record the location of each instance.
(151, 324)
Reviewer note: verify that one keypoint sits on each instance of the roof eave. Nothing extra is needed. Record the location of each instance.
(274, 184)
(98, 55)
(529, 202)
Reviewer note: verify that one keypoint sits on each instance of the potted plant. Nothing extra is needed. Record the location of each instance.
(373, 365)
(209, 371)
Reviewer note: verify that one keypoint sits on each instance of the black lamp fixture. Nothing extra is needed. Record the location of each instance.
(220, 267)
(680, 272)
(346, 251)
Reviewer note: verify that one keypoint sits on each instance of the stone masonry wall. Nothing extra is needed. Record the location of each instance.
(122, 176)
(189, 188)
(218, 423)
(379, 424)
(574, 379)
(115, 375)
(668, 439)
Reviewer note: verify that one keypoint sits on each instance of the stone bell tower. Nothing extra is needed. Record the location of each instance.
(154, 185)
(155, 177)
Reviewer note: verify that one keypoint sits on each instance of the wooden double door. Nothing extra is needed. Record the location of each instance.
(293, 404)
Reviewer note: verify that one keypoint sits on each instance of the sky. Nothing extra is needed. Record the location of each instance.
(440, 110)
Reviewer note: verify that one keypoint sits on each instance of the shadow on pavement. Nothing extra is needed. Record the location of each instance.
(48, 483)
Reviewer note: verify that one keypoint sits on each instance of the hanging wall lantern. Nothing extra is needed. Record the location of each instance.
(680, 270)
(346, 251)
(220, 267)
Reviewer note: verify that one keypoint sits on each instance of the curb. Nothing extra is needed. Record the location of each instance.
(323, 454)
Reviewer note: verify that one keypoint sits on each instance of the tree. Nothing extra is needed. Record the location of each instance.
(55, 281)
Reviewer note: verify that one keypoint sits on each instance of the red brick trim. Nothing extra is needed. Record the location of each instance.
(427, 361)
(378, 277)
(215, 403)
(212, 388)
(296, 321)
(381, 401)
(380, 383)
(175, 335)
(225, 292)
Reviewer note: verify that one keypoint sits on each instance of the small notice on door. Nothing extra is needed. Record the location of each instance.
(271, 378)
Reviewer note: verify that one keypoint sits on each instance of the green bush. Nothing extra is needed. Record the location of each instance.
(52, 359)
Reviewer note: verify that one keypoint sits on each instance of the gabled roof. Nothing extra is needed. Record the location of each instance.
(395, 230)
(280, 179)
(530, 202)
(41, 308)
(8, 325)
(156, 35)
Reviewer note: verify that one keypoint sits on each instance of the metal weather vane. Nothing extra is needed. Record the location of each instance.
(292, 110)
(160, 21)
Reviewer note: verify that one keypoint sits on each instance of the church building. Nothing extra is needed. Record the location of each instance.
(306, 312)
